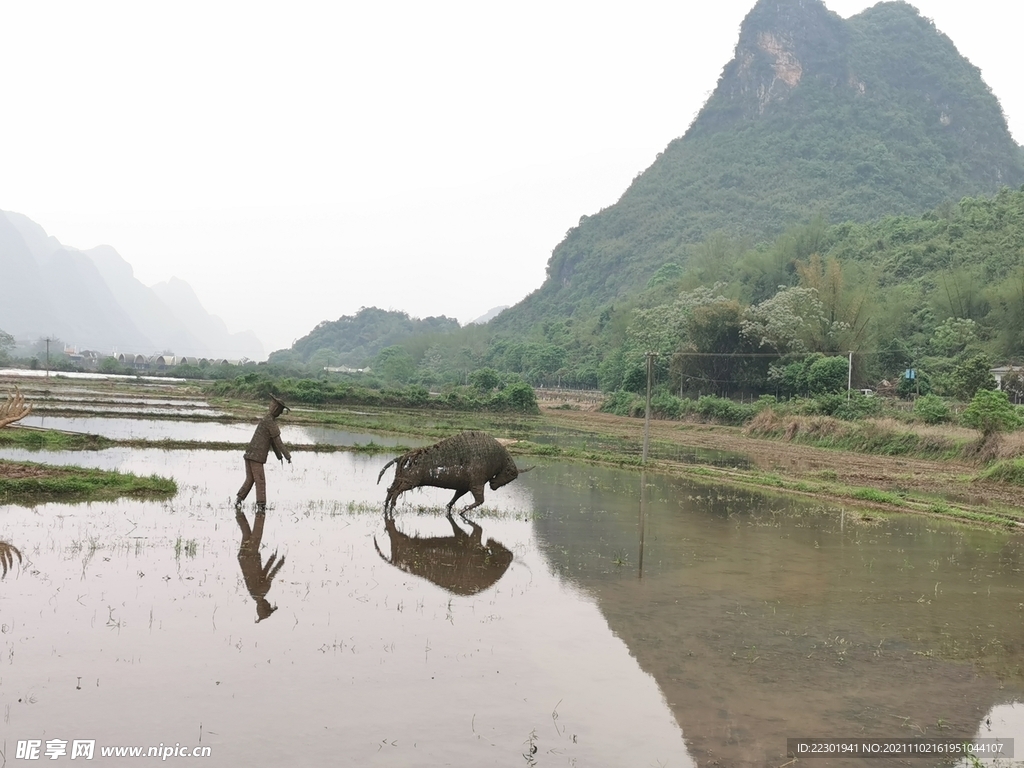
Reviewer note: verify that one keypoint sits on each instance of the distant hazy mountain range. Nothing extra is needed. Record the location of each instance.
(92, 300)
(489, 315)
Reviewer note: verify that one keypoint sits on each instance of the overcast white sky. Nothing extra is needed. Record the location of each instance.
(296, 161)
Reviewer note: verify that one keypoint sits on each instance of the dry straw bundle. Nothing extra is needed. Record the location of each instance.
(15, 409)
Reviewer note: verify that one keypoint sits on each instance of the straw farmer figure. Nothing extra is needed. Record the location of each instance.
(266, 437)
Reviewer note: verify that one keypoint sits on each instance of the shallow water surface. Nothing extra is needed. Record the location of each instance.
(62, 376)
(566, 624)
(136, 623)
(137, 409)
(210, 431)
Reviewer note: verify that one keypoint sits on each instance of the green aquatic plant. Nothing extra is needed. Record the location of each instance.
(881, 497)
(28, 481)
(50, 440)
(187, 547)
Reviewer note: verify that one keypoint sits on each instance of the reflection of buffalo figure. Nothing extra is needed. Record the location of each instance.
(461, 564)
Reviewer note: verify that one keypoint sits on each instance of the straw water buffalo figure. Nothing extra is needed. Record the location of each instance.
(461, 564)
(464, 463)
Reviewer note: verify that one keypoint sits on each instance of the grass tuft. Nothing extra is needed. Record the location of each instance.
(21, 481)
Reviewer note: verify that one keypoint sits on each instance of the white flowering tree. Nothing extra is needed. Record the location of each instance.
(792, 321)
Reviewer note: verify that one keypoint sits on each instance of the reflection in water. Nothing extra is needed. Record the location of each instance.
(7, 554)
(643, 521)
(756, 619)
(122, 428)
(258, 577)
(460, 564)
(365, 652)
(759, 617)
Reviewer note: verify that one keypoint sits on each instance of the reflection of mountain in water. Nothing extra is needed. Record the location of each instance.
(461, 564)
(759, 624)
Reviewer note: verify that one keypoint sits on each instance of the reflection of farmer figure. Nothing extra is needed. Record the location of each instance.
(257, 576)
(267, 436)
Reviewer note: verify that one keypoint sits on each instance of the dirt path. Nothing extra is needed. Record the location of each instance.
(18, 471)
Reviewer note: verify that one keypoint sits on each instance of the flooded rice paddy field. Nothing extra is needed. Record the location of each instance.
(73, 396)
(138, 409)
(126, 428)
(141, 398)
(600, 618)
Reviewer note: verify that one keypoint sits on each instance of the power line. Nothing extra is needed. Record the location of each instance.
(766, 354)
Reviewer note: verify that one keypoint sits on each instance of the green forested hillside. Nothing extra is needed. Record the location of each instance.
(851, 120)
(962, 262)
(355, 340)
(942, 292)
(933, 292)
(849, 186)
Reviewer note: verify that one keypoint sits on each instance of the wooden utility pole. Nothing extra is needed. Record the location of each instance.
(48, 340)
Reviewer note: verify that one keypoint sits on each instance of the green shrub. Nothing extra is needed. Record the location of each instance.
(310, 391)
(990, 411)
(828, 405)
(181, 371)
(828, 375)
(1007, 471)
(619, 402)
(931, 409)
(111, 365)
(873, 494)
(517, 396)
(725, 411)
(858, 406)
(416, 395)
(485, 379)
(971, 376)
(668, 406)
